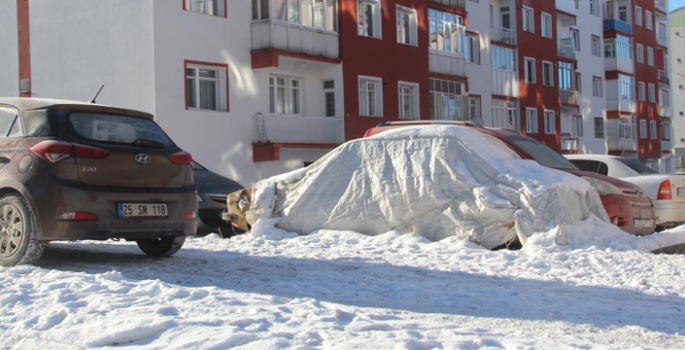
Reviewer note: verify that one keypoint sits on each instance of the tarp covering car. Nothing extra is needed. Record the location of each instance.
(437, 181)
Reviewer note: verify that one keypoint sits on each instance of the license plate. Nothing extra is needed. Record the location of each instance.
(142, 210)
(643, 223)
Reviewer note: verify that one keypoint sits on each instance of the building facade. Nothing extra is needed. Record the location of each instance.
(256, 88)
(677, 61)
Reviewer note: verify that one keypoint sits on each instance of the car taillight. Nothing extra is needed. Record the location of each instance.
(664, 190)
(55, 151)
(181, 158)
(189, 215)
(78, 216)
(619, 221)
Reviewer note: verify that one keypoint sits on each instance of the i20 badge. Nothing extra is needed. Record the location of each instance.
(142, 158)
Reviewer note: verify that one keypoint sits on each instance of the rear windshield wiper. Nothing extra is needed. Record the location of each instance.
(148, 143)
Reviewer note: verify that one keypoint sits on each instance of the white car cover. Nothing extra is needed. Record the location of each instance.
(437, 181)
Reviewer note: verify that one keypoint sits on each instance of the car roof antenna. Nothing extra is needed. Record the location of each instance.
(96, 95)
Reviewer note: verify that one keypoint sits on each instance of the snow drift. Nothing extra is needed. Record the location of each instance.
(437, 181)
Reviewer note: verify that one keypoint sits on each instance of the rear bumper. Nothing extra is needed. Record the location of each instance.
(669, 213)
(636, 213)
(182, 206)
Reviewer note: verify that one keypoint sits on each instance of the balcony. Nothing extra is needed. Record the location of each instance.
(568, 11)
(455, 4)
(620, 134)
(664, 111)
(570, 144)
(666, 145)
(568, 98)
(660, 5)
(663, 76)
(621, 105)
(566, 48)
(505, 83)
(625, 65)
(294, 38)
(618, 25)
(442, 62)
(662, 39)
(271, 128)
(502, 35)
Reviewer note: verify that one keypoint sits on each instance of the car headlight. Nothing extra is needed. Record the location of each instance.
(199, 199)
(602, 186)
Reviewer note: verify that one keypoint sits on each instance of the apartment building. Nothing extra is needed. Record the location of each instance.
(677, 63)
(256, 88)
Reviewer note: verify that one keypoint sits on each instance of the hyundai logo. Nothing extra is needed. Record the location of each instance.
(142, 158)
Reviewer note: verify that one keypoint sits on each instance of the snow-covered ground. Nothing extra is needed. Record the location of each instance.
(343, 290)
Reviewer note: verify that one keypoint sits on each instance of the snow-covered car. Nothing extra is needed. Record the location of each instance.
(437, 181)
(667, 191)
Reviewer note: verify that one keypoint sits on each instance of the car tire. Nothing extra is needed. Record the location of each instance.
(161, 247)
(18, 238)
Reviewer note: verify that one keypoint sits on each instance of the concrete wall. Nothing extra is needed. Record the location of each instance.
(9, 59)
(79, 45)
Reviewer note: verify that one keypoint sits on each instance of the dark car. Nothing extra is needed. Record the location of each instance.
(626, 204)
(80, 171)
(212, 190)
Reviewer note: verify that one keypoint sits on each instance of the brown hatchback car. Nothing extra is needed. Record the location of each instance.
(78, 171)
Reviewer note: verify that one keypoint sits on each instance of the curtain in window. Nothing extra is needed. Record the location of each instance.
(208, 89)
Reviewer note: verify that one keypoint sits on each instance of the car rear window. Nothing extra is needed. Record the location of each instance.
(542, 154)
(118, 129)
(637, 166)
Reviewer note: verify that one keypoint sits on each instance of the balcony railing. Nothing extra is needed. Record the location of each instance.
(446, 63)
(294, 38)
(505, 83)
(662, 39)
(502, 35)
(661, 6)
(566, 50)
(664, 111)
(621, 64)
(666, 145)
(297, 129)
(568, 6)
(456, 4)
(621, 105)
(569, 143)
(663, 76)
(620, 134)
(616, 24)
(568, 97)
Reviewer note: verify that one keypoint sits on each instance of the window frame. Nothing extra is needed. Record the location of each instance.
(376, 20)
(653, 130)
(597, 90)
(223, 88)
(288, 103)
(599, 132)
(550, 124)
(596, 43)
(546, 28)
(547, 74)
(223, 8)
(378, 95)
(638, 16)
(643, 129)
(402, 34)
(528, 19)
(527, 70)
(531, 120)
(415, 107)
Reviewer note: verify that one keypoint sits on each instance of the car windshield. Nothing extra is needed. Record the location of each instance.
(637, 166)
(121, 129)
(541, 153)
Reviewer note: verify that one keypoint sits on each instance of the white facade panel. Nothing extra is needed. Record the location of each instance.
(9, 59)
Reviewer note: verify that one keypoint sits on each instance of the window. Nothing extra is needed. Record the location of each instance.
(650, 56)
(579, 83)
(529, 69)
(652, 93)
(550, 123)
(594, 7)
(566, 76)
(596, 46)
(643, 129)
(596, 86)
(472, 48)
(503, 58)
(329, 97)
(648, 20)
(652, 129)
(547, 73)
(446, 100)
(206, 86)
(505, 115)
(531, 121)
(446, 31)
(406, 26)
(285, 95)
(208, 7)
(620, 47)
(409, 100)
(623, 13)
(575, 35)
(666, 131)
(640, 53)
(546, 25)
(599, 128)
(321, 14)
(626, 87)
(506, 17)
(528, 20)
(641, 91)
(474, 108)
(370, 97)
(8, 116)
(577, 126)
(368, 18)
(638, 16)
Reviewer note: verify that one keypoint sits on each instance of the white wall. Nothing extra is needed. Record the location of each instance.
(9, 56)
(79, 45)
(480, 75)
